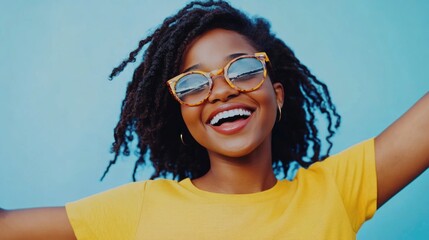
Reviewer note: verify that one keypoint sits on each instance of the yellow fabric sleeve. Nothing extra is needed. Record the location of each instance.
(355, 175)
(113, 214)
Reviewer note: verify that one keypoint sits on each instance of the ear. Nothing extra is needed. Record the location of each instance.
(279, 91)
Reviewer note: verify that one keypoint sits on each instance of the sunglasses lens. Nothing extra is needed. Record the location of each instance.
(192, 88)
(246, 73)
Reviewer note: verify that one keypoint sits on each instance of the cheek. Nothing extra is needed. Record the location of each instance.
(270, 112)
(192, 117)
(267, 99)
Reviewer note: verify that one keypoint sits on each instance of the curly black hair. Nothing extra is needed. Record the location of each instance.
(150, 114)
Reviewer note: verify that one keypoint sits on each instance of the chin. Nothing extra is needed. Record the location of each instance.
(236, 149)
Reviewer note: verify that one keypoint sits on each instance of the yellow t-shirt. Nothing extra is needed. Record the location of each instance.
(329, 200)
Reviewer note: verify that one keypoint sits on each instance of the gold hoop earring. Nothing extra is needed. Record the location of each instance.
(181, 139)
(280, 113)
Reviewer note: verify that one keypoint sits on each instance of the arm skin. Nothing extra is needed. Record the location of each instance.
(36, 223)
(402, 151)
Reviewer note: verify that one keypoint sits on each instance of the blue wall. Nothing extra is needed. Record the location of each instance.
(58, 109)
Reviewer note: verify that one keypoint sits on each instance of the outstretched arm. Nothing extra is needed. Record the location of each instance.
(402, 151)
(37, 223)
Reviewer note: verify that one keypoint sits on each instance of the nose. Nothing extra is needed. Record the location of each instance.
(221, 91)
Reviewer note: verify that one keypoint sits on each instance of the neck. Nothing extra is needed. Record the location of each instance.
(247, 174)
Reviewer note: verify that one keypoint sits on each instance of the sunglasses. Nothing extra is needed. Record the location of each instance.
(245, 73)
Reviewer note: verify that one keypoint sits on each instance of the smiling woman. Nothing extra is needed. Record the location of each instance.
(197, 48)
(220, 103)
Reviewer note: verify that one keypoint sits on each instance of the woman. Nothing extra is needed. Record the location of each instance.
(220, 100)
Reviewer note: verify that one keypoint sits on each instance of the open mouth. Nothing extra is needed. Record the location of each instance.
(230, 116)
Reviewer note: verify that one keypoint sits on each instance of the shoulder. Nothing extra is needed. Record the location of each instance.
(351, 173)
(360, 156)
(349, 176)
(165, 188)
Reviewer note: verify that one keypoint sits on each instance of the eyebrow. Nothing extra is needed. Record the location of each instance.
(228, 58)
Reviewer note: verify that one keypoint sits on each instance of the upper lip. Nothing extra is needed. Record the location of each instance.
(226, 107)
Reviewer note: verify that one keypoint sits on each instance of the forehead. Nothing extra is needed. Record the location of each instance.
(212, 49)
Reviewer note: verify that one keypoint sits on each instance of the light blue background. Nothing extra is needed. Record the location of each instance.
(58, 109)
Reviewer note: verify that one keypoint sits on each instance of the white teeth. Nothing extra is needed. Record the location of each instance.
(229, 113)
